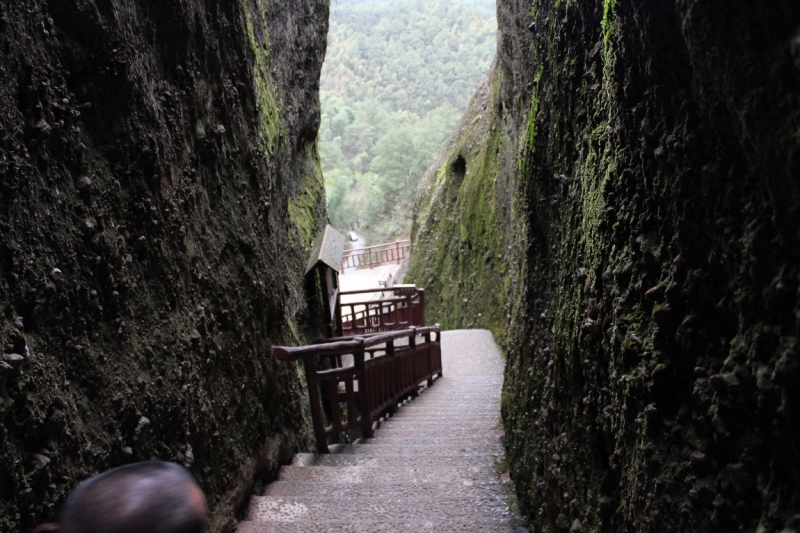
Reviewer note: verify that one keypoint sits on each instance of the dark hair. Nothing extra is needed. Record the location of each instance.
(153, 497)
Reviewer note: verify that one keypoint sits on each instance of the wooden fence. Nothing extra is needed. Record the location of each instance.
(381, 254)
(352, 381)
(405, 308)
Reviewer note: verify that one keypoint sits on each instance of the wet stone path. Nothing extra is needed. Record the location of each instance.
(430, 467)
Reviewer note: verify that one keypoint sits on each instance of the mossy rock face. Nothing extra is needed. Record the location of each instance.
(159, 189)
(652, 152)
(462, 254)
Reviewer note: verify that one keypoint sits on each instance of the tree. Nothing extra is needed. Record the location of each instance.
(396, 78)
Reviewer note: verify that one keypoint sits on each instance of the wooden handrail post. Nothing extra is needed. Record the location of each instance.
(439, 342)
(395, 377)
(316, 406)
(339, 330)
(430, 357)
(412, 344)
(363, 389)
(421, 293)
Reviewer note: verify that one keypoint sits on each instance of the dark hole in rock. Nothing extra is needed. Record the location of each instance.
(459, 167)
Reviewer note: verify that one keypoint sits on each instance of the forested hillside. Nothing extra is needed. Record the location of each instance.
(396, 79)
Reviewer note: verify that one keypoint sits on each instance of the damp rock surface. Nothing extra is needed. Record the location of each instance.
(159, 190)
(631, 196)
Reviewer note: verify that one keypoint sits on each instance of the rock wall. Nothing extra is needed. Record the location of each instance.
(463, 254)
(159, 190)
(650, 371)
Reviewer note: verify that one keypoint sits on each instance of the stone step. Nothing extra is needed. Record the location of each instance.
(472, 400)
(292, 489)
(431, 466)
(443, 442)
(473, 390)
(464, 410)
(459, 405)
(421, 416)
(438, 525)
(444, 396)
(490, 379)
(429, 460)
(490, 382)
(490, 419)
(454, 384)
(391, 431)
(415, 448)
(456, 387)
(455, 413)
(388, 475)
(386, 507)
(486, 391)
(487, 424)
(438, 417)
(478, 392)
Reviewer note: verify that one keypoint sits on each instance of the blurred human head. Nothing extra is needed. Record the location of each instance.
(148, 497)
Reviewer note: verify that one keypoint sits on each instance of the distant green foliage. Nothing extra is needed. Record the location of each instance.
(397, 77)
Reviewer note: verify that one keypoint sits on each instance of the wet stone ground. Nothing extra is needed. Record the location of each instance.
(430, 467)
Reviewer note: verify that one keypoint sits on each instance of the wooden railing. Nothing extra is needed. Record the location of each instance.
(352, 381)
(391, 252)
(405, 308)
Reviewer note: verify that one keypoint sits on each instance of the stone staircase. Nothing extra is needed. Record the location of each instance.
(431, 466)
